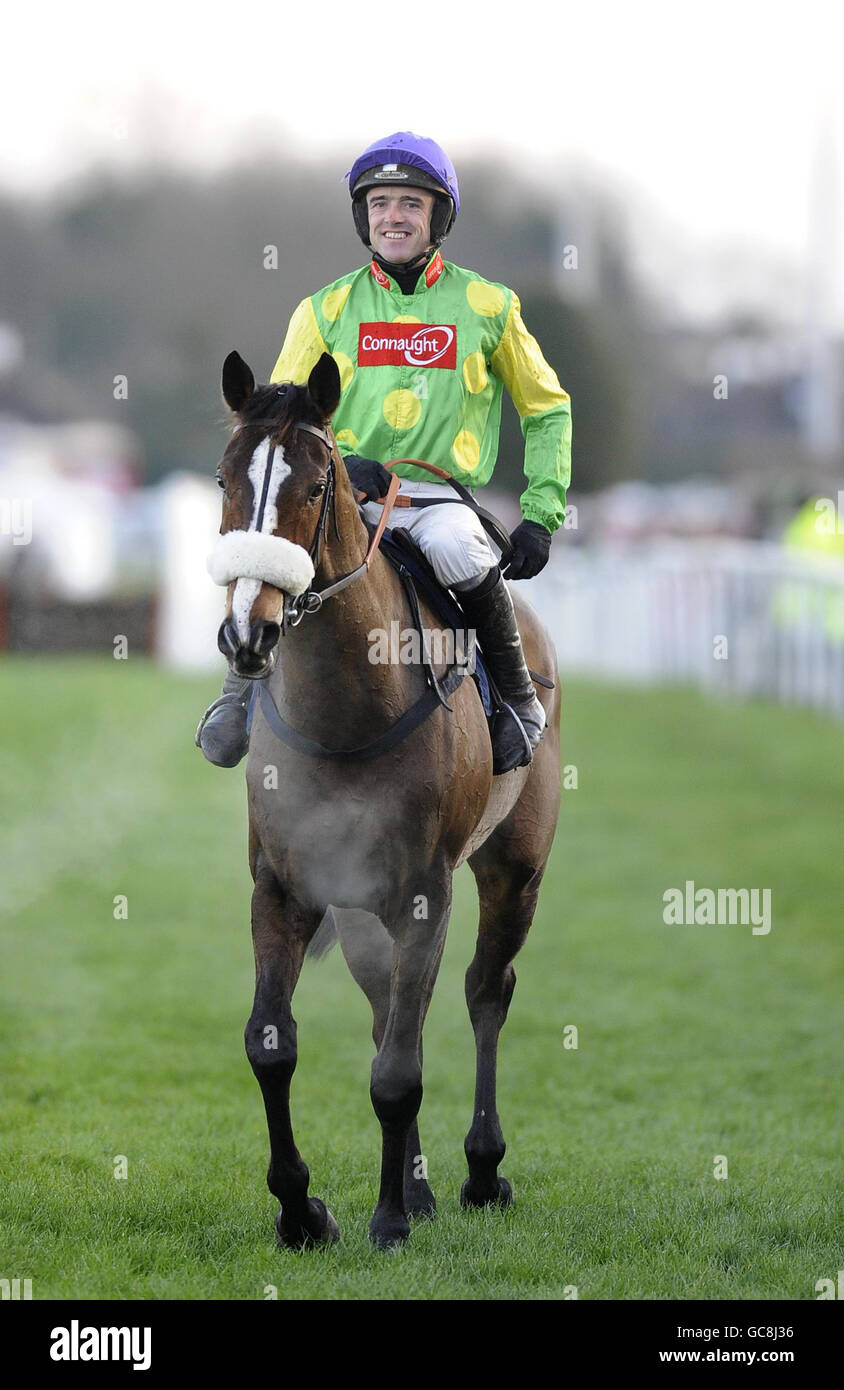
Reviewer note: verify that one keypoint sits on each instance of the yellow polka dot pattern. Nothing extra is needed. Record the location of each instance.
(474, 372)
(333, 302)
(406, 318)
(347, 437)
(401, 409)
(346, 368)
(466, 450)
(484, 299)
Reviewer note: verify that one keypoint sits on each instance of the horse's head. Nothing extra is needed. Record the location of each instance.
(277, 475)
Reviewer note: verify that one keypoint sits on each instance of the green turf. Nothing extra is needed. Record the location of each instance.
(125, 1037)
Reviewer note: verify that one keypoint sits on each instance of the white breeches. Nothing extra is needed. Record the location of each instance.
(450, 536)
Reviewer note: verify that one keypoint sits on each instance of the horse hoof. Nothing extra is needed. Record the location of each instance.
(501, 1195)
(332, 1230)
(319, 1229)
(424, 1212)
(388, 1233)
(421, 1206)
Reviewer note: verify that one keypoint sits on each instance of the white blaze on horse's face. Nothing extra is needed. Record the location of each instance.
(264, 521)
(256, 556)
(264, 490)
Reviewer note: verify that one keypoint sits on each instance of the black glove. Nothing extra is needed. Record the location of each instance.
(367, 476)
(531, 544)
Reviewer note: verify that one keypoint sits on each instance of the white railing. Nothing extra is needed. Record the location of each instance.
(738, 617)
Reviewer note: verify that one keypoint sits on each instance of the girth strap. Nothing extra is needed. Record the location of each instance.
(410, 720)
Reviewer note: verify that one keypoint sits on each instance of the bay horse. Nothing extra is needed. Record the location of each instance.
(367, 843)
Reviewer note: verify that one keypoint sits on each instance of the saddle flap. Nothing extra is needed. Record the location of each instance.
(404, 540)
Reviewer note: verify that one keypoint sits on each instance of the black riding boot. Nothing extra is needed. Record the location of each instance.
(517, 728)
(221, 733)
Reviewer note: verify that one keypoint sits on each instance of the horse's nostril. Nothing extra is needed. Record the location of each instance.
(263, 637)
(228, 641)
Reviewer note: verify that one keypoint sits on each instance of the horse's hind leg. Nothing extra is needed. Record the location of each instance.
(369, 949)
(508, 888)
(281, 930)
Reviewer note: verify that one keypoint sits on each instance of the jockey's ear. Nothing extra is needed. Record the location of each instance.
(238, 382)
(324, 386)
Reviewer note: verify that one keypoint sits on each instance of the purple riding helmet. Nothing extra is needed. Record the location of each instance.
(415, 161)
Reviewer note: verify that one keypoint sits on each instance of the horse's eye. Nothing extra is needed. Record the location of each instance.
(221, 482)
(318, 489)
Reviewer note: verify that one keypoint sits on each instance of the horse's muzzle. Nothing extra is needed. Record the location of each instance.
(254, 659)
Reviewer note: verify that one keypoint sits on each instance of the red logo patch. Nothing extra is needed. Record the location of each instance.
(378, 274)
(407, 345)
(434, 271)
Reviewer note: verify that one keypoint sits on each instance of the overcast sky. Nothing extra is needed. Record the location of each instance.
(704, 117)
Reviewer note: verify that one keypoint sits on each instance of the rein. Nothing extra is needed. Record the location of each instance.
(312, 600)
(490, 523)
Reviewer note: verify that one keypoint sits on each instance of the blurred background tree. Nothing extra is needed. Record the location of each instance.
(158, 280)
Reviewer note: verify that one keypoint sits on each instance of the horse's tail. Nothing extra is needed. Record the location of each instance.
(323, 938)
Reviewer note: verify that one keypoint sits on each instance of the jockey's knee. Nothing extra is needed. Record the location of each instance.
(457, 550)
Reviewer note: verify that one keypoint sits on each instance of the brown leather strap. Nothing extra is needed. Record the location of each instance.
(417, 463)
(399, 502)
(405, 501)
(490, 523)
(421, 463)
(387, 502)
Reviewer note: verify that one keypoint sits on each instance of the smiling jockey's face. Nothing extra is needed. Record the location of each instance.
(399, 221)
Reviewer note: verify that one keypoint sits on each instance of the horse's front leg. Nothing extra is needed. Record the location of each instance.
(281, 930)
(396, 1084)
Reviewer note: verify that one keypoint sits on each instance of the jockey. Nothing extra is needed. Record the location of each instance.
(431, 392)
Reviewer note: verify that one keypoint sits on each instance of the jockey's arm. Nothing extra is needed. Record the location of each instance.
(302, 347)
(544, 409)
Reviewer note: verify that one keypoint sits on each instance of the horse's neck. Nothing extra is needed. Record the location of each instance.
(325, 677)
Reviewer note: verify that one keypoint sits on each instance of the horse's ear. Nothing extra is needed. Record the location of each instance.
(324, 386)
(238, 382)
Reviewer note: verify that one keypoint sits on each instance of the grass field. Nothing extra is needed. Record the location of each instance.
(124, 1037)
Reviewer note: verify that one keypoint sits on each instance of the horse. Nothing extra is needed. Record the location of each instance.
(364, 845)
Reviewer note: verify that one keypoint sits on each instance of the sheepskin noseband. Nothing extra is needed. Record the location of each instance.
(254, 555)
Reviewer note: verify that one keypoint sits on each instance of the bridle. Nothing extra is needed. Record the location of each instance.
(437, 689)
(294, 607)
(311, 600)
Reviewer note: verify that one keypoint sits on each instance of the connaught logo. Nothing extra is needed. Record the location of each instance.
(410, 344)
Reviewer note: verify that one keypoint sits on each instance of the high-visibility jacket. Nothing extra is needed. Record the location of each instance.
(422, 377)
(813, 534)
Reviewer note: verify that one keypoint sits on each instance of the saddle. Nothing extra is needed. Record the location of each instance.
(399, 547)
(413, 569)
